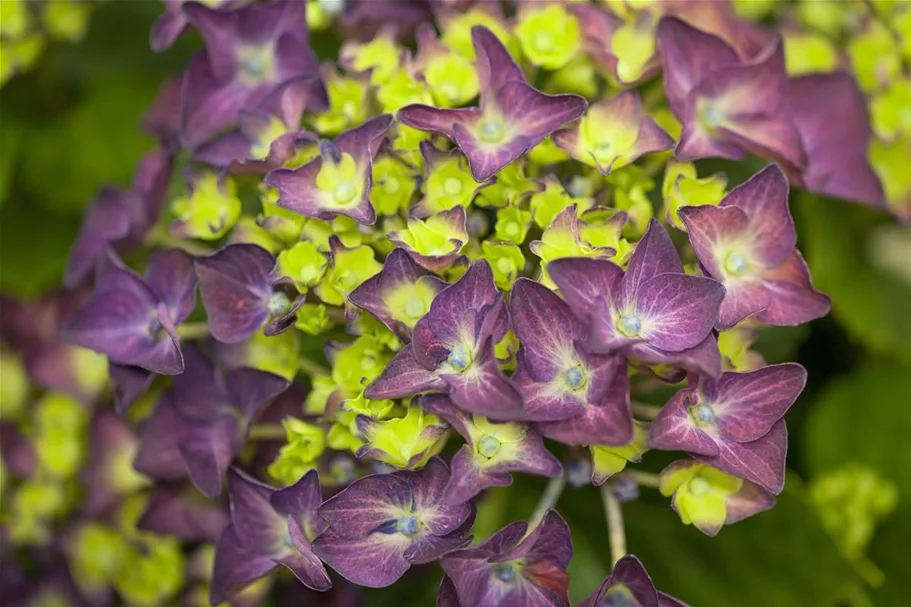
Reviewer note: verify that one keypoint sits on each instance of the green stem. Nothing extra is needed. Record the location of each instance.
(267, 432)
(645, 411)
(193, 330)
(615, 531)
(644, 479)
(548, 500)
(160, 237)
(312, 368)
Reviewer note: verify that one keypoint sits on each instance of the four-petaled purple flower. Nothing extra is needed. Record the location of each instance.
(579, 397)
(728, 107)
(200, 423)
(452, 350)
(514, 567)
(512, 116)
(734, 423)
(241, 294)
(491, 451)
(748, 243)
(269, 527)
(382, 524)
(133, 320)
(629, 585)
(338, 181)
(653, 312)
(250, 52)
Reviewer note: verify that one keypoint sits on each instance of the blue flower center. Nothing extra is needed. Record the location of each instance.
(491, 132)
(702, 414)
(619, 596)
(278, 304)
(629, 325)
(489, 446)
(459, 357)
(735, 264)
(408, 525)
(574, 377)
(254, 66)
(711, 116)
(505, 572)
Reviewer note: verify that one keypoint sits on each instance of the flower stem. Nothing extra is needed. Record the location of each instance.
(193, 330)
(312, 368)
(615, 530)
(644, 479)
(548, 500)
(645, 411)
(267, 432)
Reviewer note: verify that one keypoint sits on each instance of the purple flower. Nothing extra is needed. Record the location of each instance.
(629, 584)
(132, 319)
(562, 383)
(338, 181)
(452, 350)
(831, 116)
(241, 294)
(515, 569)
(748, 243)
(266, 137)
(512, 116)
(173, 22)
(728, 107)
(200, 423)
(111, 445)
(129, 384)
(734, 423)
(181, 511)
(250, 52)
(382, 524)
(399, 294)
(120, 218)
(653, 312)
(269, 528)
(491, 452)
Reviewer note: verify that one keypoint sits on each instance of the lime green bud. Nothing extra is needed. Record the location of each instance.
(431, 237)
(153, 575)
(321, 388)
(548, 203)
(19, 55)
(381, 56)
(15, 19)
(682, 188)
(318, 19)
(637, 205)
(247, 230)
(90, 369)
(358, 363)
(875, 56)
(313, 319)
(348, 104)
(66, 20)
(359, 405)
(368, 325)
(506, 260)
(209, 211)
(807, 53)
(340, 438)
(318, 232)
(546, 153)
(394, 184)
(755, 10)
(633, 44)
(512, 186)
(512, 225)
(60, 434)
(402, 89)
(608, 461)
(276, 354)
(14, 385)
(735, 350)
(891, 162)
(405, 442)
(281, 224)
(456, 32)
(303, 263)
(448, 185)
(452, 79)
(550, 36)
(700, 494)
(891, 111)
(96, 557)
(306, 442)
(349, 268)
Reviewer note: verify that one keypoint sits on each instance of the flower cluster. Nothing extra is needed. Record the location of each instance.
(440, 260)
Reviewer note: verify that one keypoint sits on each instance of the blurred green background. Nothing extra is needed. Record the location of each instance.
(69, 126)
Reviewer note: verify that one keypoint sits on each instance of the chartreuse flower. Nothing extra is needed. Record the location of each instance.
(682, 188)
(891, 110)
(609, 460)
(321, 388)
(512, 224)
(511, 186)
(210, 209)
(370, 326)
(34, 504)
(381, 56)
(313, 319)
(402, 89)
(808, 53)
(506, 261)
(407, 143)
(348, 103)
(447, 182)
(890, 161)
(284, 225)
(356, 364)
(903, 26)
(394, 184)
(708, 498)
(60, 434)
(153, 574)
(456, 30)
(349, 268)
(66, 20)
(563, 238)
(755, 10)
(549, 34)
(304, 263)
(277, 354)
(249, 231)
(96, 556)
(613, 133)
(579, 76)
(875, 56)
(344, 434)
(603, 229)
(319, 232)
(549, 202)
(305, 443)
(405, 442)
(546, 153)
(451, 76)
(736, 355)
(435, 242)
(14, 385)
(633, 46)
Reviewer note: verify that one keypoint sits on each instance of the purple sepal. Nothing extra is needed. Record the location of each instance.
(183, 514)
(130, 383)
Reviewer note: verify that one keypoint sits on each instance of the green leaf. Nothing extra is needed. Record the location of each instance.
(869, 302)
(889, 550)
(863, 418)
(34, 247)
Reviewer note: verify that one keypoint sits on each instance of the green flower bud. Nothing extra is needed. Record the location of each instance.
(875, 56)
(405, 442)
(153, 575)
(348, 104)
(209, 211)
(313, 319)
(358, 363)
(547, 204)
(512, 225)
(506, 260)
(96, 556)
(550, 36)
(682, 188)
(321, 388)
(14, 385)
(393, 188)
(60, 434)
(306, 442)
(512, 186)
(807, 53)
(349, 268)
(448, 185)
(891, 111)
(381, 56)
(452, 79)
(608, 461)
(304, 263)
(66, 21)
(400, 90)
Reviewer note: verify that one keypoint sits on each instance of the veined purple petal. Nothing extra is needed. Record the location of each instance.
(494, 64)
(130, 383)
(544, 402)
(764, 200)
(702, 359)
(207, 452)
(235, 567)
(437, 120)
(748, 404)
(402, 377)
(761, 461)
(709, 226)
(375, 561)
(428, 548)
(106, 220)
(171, 277)
(750, 500)
(678, 311)
(655, 254)
(631, 574)
(674, 429)
(258, 526)
(250, 389)
(301, 502)
(792, 300)
(448, 313)
(583, 281)
(428, 486)
(367, 504)
(236, 288)
(301, 560)
(469, 478)
(364, 141)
